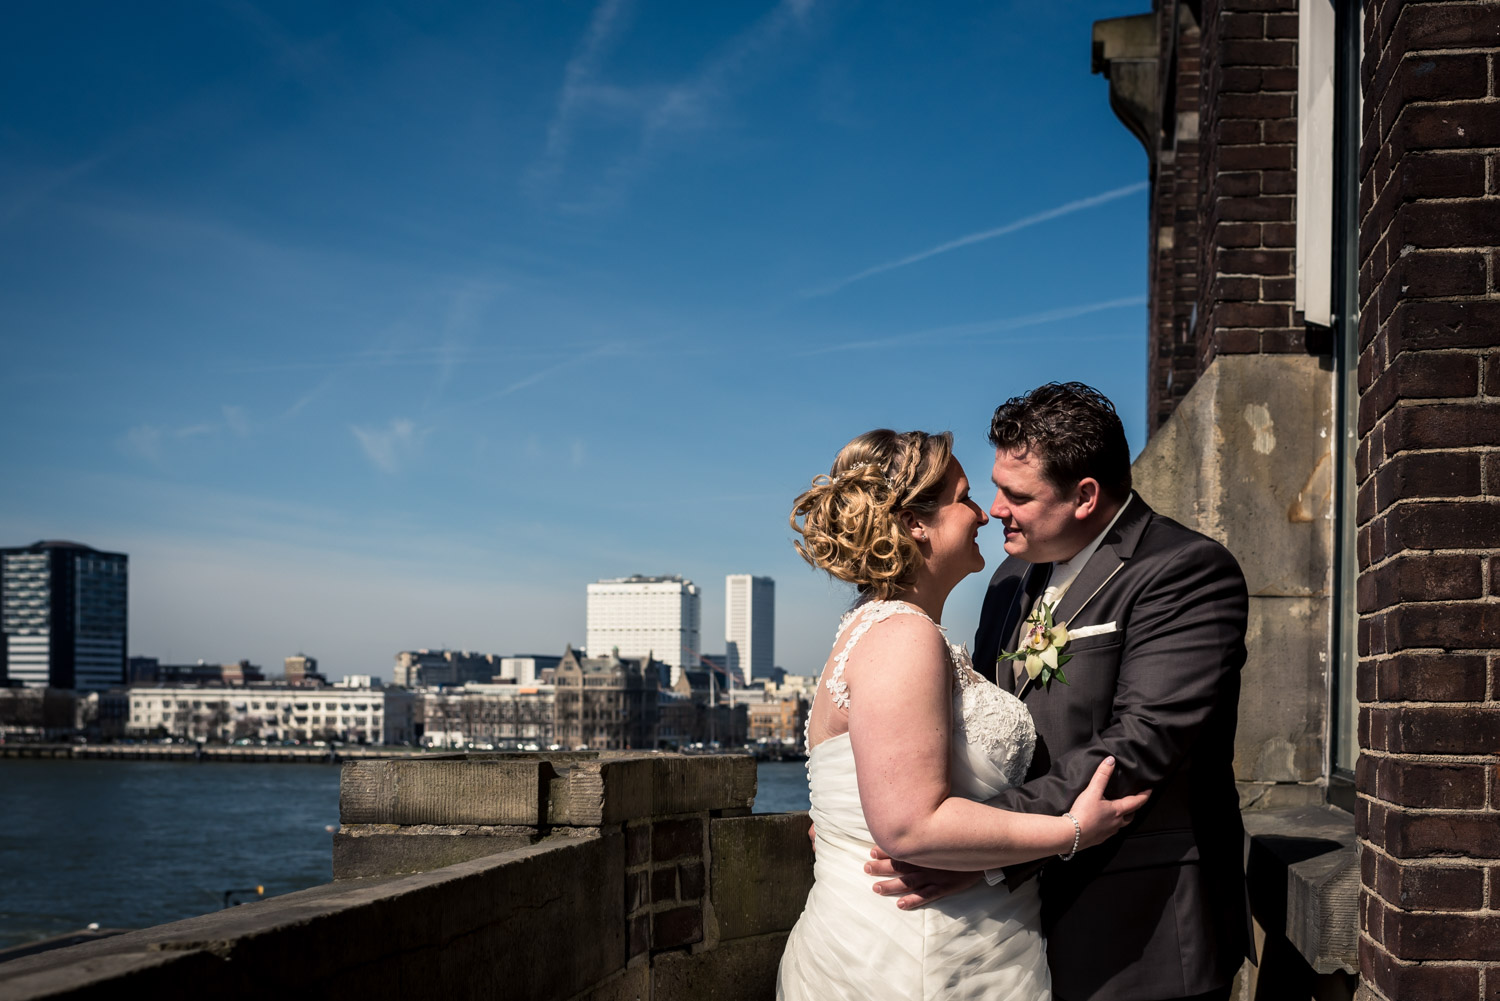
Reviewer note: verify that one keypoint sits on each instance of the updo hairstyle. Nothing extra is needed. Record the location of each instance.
(849, 519)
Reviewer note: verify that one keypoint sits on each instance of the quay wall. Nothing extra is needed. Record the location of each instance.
(567, 876)
(206, 752)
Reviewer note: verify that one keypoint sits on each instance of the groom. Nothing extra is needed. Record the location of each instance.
(1156, 616)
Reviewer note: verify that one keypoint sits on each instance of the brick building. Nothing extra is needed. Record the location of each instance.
(1323, 374)
(606, 703)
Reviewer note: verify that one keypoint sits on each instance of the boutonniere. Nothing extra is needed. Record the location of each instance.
(1042, 646)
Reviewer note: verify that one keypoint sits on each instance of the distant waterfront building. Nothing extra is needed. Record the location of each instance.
(502, 717)
(635, 617)
(149, 671)
(273, 713)
(302, 670)
(63, 616)
(427, 668)
(607, 703)
(528, 668)
(749, 626)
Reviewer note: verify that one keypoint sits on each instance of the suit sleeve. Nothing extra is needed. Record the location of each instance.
(1183, 644)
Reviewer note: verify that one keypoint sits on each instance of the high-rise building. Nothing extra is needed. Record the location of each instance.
(63, 616)
(645, 617)
(749, 626)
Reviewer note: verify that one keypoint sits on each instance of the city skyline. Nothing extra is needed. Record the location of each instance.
(367, 329)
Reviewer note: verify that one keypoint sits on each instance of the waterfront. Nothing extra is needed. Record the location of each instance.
(128, 844)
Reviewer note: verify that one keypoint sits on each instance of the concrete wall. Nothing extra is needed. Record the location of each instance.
(1246, 459)
(568, 876)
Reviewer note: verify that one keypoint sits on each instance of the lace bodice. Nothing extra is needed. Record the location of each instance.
(987, 718)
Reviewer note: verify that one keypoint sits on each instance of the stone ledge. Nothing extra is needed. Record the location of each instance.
(484, 928)
(536, 790)
(749, 895)
(1304, 882)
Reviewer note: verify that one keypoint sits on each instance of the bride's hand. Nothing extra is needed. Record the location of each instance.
(1098, 818)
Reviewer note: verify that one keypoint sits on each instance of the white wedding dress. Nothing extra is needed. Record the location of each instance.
(985, 942)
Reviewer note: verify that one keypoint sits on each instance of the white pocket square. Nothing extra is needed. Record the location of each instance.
(1084, 632)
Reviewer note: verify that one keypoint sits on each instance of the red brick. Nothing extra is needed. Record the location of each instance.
(672, 839)
(1428, 474)
(1280, 130)
(1444, 26)
(1443, 729)
(1277, 289)
(1238, 131)
(1241, 26)
(637, 844)
(664, 885)
(1236, 342)
(1250, 314)
(1237, 234)
(1256, 157)
(1431, 275)
(1262, 209)
(1443, 126)
(1255, 262)
(1235, 288)
(1420, 326)
(1420, 376)
(1423, 677)
(1257, 105)
(1403, 980)
(1433, 786)
(1418, 578)
(677, 927)
(1421, 835)
(1492, 374)
(1446, 936)
(1249, 52)
(1443, 425)
(1243, 184)
(1457, 626)
(1470, 222)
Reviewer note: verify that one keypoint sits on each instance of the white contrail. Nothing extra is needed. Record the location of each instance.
(959, 331)
(980, 237)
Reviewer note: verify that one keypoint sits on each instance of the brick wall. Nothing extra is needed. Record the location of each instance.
(1429, 503)
(1223, 204)
(1172, 347)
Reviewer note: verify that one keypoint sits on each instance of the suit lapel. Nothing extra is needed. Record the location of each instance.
(1114, 549)
(1032, 584)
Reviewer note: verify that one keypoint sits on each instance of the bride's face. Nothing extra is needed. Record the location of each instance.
(952, 531)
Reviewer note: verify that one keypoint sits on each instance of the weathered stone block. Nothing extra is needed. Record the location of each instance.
(742, 970)
(363, 850)
(495, 791)
(631, 984)
(678, 927)
(761, 873)
(1246, 459)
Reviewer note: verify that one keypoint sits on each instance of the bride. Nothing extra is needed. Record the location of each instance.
(905, 743)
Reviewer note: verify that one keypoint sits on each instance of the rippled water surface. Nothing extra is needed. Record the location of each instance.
(134, 843)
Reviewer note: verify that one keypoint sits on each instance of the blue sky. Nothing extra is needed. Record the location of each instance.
(371, 327)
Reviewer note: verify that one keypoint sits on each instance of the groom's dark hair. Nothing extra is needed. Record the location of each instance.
(1074, 430)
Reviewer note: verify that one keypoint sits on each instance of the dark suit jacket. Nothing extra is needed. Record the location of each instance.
(1158, 911)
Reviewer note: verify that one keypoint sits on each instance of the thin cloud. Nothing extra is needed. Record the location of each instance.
(960, 331)
(578, 87)
(237, 420)
(988, 234)
(663, 112)
(388, 447)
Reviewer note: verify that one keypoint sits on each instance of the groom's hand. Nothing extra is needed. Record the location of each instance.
(915, 885)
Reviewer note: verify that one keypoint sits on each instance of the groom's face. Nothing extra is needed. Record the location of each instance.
(1041, 521)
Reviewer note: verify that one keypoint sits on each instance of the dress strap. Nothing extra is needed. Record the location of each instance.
(864, 616)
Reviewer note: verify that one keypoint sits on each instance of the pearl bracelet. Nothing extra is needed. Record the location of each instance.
(1077, 837)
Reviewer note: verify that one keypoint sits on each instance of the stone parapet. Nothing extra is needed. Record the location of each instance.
(605, 876)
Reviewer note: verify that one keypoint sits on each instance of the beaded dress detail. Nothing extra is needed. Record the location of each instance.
(851, 943)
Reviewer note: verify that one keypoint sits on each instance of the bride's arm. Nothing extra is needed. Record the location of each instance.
(900, 726)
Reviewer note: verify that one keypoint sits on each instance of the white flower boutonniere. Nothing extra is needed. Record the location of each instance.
(1042, 646)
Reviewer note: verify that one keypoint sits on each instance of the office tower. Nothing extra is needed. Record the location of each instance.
(63, 616)
(749, 626)
(645, 616)
(300, 668)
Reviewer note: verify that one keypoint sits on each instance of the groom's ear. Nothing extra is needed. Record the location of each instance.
(1086, 498)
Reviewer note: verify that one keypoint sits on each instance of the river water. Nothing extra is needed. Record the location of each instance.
(129, 844)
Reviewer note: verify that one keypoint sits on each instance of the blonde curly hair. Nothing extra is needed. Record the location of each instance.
(849, 518)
